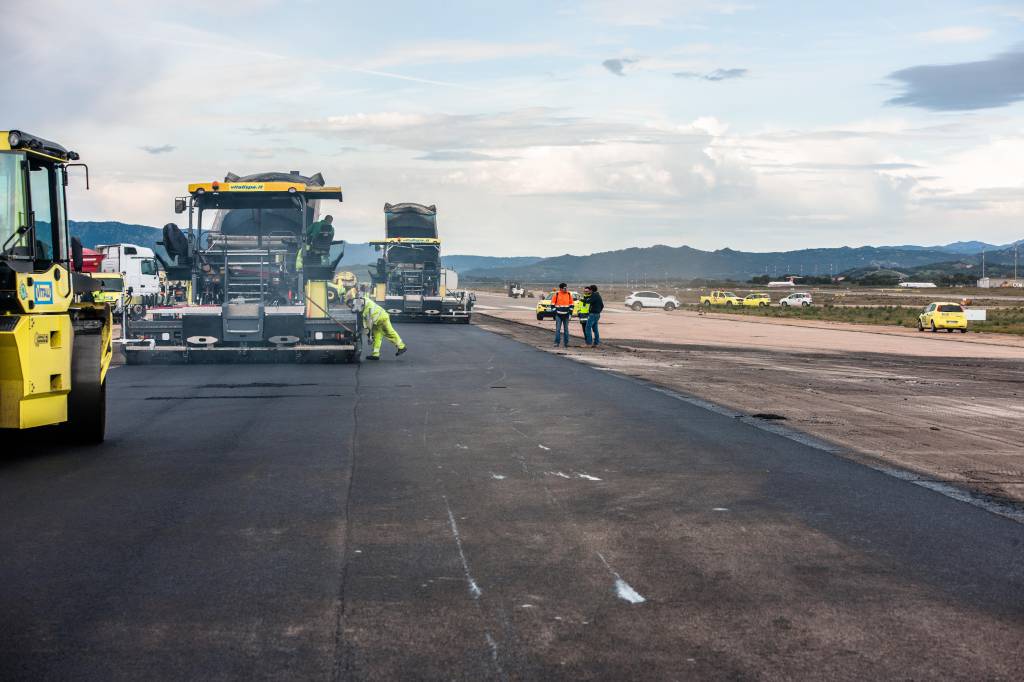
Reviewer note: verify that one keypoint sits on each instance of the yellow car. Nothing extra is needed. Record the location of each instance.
(545, 309)
(721, 298)
(757, 300)
(943, 315)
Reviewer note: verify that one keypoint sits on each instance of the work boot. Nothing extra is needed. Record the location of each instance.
(373, 357)
(401, 350)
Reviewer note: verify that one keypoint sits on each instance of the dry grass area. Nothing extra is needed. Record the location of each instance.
(958, 420)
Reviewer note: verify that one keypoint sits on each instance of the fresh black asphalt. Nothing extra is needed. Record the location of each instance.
(479, 509)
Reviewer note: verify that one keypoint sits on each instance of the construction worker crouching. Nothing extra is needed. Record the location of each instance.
(378, 326)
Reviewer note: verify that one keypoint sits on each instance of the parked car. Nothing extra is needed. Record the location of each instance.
(638, 300)
(721, 298)
(544, 307)
(757, 300)
(801, 299)
(943, 315)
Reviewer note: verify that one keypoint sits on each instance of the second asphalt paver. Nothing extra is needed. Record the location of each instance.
(529, 517)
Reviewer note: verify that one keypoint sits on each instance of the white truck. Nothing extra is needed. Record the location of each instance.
(137, 265)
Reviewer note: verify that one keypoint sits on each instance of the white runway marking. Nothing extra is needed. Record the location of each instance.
(588, 477)
(623, 590)
(560, 474)
(627, 593)
(543, 447)
(474, 589)
(497, 477)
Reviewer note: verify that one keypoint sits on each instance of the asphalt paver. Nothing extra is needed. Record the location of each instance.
(479, 509)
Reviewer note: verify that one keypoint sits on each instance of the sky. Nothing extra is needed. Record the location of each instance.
(543, 128)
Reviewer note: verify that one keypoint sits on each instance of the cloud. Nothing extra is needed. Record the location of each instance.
(716, 75)
(955, 34)
(517, 129)
(987, 84)
(460, 52)
(618, 66)
(655, 13)
(162, 149)
(461, 155)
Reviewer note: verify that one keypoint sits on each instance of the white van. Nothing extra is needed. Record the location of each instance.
(137, 265)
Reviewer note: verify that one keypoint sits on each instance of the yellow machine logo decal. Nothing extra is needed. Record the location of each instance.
(43, 292)
(42, 339)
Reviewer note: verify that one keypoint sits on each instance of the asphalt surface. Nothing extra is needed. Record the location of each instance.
(479, 509)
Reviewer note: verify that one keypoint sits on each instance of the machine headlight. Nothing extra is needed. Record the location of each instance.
(14, 139)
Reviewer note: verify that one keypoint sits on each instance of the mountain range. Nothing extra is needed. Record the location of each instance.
(653, 262)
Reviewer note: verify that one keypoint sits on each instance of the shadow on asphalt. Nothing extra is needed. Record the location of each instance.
(41, 443)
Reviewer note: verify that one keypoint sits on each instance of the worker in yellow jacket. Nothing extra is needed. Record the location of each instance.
(378, 324)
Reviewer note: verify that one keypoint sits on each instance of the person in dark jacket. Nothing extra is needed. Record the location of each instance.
(594, 314)
(581, 310)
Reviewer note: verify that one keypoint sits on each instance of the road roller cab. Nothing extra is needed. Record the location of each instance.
(55, 338)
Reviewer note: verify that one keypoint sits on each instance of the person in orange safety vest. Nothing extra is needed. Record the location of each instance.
(562, 302)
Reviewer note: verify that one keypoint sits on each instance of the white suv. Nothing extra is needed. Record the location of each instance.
(801, 299)
(638, 300)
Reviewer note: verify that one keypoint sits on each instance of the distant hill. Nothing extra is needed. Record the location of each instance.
(651, 262)
(685, 262)
(969, 247)
(467, 263)
(110, 232)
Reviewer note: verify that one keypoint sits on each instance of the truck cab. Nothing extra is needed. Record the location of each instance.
(137, 265)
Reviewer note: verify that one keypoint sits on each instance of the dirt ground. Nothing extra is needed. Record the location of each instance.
(948, 407)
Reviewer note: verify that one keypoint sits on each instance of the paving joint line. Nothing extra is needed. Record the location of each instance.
(342, 661)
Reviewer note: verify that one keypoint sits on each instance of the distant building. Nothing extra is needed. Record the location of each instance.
(1000, 282)
(917, 285)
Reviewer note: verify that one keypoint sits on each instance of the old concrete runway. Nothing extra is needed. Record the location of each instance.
(479, 509)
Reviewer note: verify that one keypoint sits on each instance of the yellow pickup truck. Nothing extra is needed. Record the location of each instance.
(721, 298)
